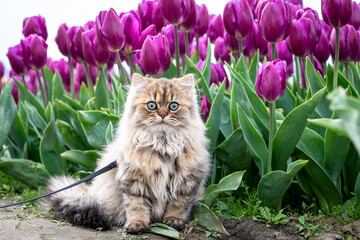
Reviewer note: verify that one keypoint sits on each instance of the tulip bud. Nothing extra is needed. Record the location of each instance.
(274, 20)
(218, 73)
(62, 40)
(175, 11)
(220, 50)
(322, 51)
(2, 70)
(314, 17)
(336, 13)
(94, 54)
(271, 80)
(132, 29)
(216, 27)
(155, 55)
(169, 32)
(349, 43)
(36, 25)
(355, 16)
(110, 30)
(16, 59)
(205, 107)
(190, 21)
(151, 13)
(254, 42)
(34, 50)
(202, 23)
(238, 19)
(80, 74)
(63, 69)
(231, 43)
(203, 42)
(76, 51)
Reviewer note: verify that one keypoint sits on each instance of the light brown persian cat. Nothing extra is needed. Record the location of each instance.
(163, 162)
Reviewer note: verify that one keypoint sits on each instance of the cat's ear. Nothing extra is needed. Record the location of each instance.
(139, 82)
(186, 82)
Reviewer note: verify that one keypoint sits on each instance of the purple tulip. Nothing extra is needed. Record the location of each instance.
(94, 54)
(336, 13)
(36, 25)
(2, 70)
(296, 2)
(80, 74)
(253, 5)
(254, 42)
(16, 59)
(218, 73)
(137, 61)
(355, 16)
(294, 8)
(314, 17)
(34, 49)
(231, 43)
(220, 50)
(274, 20)
(216, 27)
(321, 51)
(151, 13)
(175, 11)
(205, 107)
(271, 80)
(302, 39)
(76, 51)
(89, 25)
(62, 67)
(286, 55)
(202, 23)
(62, 40)
(203, 42)
(238, 19)
(30, 80)
(326, 28)
(349, 43)
(190, 21)
(155, 55)
(169, 32)
(110, 30)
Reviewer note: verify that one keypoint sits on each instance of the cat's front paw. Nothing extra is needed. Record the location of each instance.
(136, 227)
(176, 223)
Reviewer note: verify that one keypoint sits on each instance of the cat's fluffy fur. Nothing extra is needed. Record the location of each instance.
(162, 163)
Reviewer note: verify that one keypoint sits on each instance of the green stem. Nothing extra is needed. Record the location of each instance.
(273, 52)
(106, 87)
(236, 56)
(323, 66)
(271, 134)
(183, 63)
(131, 63)
(177, 50)
(336, 66)
(42, 90)
(89, 80)
(197, 49)
(26, 88)
(298, 73)
(303, 65)
(347, 73)
(312, 58)
(121, 69)
(71, 67)
(187, 43)
(47, 90)
(241, 48)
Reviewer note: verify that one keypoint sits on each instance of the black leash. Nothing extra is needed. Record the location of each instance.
(95, 174)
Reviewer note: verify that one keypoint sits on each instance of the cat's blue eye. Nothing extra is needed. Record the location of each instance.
(173, 106)
(151, 105)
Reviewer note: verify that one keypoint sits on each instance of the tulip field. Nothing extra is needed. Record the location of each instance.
(278, 86)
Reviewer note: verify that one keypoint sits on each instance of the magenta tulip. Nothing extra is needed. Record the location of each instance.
(62, 39)
(254, 42)
(34, 49)
(2, 70)
(231, 43)
(216, 27)
(322, 49)
(203, 42)
(202, 23)
(349, 43)
(169, 32)
(336, 13)
(62, 67)
(355, 16)
(220, 50)
(326, 28)
(205, 107)
(35, 25)
(190, 21)
(16, 59)
(94, 53)
(175, 11)
(80, 74)
(76, 51)
(151, 13)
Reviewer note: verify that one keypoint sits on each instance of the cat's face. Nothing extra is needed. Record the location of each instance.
(162, 102)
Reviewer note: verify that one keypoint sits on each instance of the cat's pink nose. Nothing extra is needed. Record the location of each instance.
(162, 115)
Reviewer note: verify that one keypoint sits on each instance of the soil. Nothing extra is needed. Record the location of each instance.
(19, 224)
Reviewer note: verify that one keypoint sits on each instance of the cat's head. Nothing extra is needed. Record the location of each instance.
(162, 102)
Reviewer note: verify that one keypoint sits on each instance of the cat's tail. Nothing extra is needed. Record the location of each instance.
(74, 204)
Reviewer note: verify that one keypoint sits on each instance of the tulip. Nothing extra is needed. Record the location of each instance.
(355, 16)
(326, 28)
(63, 69)
(62, 39)
(336, 13)
(94, 54)
(296, 2)
(80, 74)
(216, 27)
(34, 50)
(29, 78)
(349, 43)
(190, 21)
(202, 23)
(218, 73)
(314, 17)
(137, 61)
(151, 13)
(76, 50)
(132, 29)
(254, 42)
(231, 43)
(285, 54)
(89, 25)
(202, 47)
(16, 59)
(169, 32)
(205, 107)
(321, 51)
(270, 85)
(155, 55)
(175, 11)
(220, 50)
(294, 8)
(274, 18)
(35, 25)
(238, 19)
(253, 5)
(2, 70)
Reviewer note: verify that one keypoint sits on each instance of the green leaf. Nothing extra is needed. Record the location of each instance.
(49, 79)
(95, 124)
(286, 101)
(312, 144)
(228, 183)
(291, 129)
(58, 87)
(351, 169)
(254, 65)
(51, 146)
(100, 93)
(165, 230)
(71, 138)
(84, 95)
(241, 69)
(273, 185)
(109, 133)
(214, 120)
(207, 218)
(87, 159)
(342, 81)
(17, 132)
(226, 126)
(34, 116)
(25, 171)
(206, 71)
(254, 141)
(7, 112)
(73, 102)
(355, 70)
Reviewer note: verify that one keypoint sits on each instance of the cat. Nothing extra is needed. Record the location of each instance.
(161, 151)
